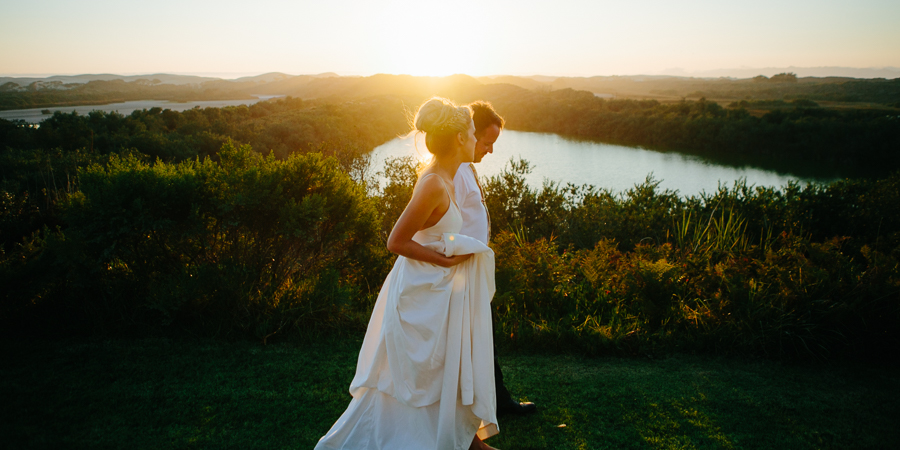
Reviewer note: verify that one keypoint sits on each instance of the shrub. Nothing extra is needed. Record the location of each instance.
(248, 243)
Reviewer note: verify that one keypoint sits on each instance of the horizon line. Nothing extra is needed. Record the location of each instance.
(672, 72)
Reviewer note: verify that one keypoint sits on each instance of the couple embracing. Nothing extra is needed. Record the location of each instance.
(427, 377)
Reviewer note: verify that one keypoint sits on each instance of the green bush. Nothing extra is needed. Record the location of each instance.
(247, 243)
(158, 221)
(791, 272)
(796, 298)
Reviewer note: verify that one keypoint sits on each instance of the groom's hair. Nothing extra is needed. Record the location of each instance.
(484, 116)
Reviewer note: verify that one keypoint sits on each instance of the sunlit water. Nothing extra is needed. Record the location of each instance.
(614, 167)
(35, 115)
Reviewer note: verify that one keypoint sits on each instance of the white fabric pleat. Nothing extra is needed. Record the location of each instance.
(424, 377)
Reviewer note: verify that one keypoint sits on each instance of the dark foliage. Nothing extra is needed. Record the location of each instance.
(263, 220)
(856, 142)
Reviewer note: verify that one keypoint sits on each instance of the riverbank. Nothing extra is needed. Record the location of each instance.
(185, 393)
(618, 168)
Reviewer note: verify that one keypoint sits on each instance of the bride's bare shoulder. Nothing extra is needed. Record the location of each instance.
(429, 184)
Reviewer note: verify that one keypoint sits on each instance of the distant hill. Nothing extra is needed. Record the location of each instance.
(278, 76)
(528, 82)
(162, 78)
(523, 82)
(264, 78)
(156, 78)
(308, 87)
(832, 71)
(23, 93)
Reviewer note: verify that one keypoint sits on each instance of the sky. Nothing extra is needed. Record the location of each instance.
(522, 37)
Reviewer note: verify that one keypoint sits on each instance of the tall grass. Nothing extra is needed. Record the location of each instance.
(722, 234)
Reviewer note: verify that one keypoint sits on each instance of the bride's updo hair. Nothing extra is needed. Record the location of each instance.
(441, 120)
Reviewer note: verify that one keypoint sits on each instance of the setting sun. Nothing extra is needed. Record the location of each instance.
(425, 39)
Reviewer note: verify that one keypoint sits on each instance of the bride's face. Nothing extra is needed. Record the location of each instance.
(467, 152)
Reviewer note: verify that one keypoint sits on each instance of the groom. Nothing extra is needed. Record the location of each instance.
(477, 221)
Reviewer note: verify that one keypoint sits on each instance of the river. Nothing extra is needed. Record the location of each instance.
(553, 157)
(613, 167)
(36, 115)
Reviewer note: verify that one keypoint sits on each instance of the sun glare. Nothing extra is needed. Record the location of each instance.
(416, 148)
(426, 39)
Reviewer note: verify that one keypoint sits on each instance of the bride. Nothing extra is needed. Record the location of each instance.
(424, 378)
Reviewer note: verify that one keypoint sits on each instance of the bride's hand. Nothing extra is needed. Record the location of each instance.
(454, 260)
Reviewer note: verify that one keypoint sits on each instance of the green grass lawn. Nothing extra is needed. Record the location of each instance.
(181, 393)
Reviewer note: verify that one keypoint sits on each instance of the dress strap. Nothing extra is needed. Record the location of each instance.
(443, 183)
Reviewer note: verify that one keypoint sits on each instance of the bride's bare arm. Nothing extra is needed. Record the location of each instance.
(426, 198)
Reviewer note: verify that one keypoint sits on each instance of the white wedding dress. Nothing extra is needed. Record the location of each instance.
(425, 377)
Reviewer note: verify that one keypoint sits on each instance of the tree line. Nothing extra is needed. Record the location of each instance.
(784, 86)
(799, 136)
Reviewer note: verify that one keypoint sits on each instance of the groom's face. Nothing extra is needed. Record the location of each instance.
(485, 143)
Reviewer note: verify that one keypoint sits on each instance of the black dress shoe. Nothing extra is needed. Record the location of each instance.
(516, 408)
